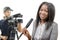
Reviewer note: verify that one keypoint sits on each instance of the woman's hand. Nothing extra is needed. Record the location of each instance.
(26, 33)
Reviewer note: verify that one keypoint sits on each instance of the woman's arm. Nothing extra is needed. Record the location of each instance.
(26, 33)
(29, 37)
(54, 33)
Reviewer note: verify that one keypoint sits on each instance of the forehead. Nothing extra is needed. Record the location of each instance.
(44, 6)
(7, 11)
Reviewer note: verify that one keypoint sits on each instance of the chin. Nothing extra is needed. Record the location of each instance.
(43, 18)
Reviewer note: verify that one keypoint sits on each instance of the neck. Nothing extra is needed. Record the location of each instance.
(42, 21)
(5, 17)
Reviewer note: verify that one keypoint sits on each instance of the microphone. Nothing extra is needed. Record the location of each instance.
(27, 26)
(29, 23)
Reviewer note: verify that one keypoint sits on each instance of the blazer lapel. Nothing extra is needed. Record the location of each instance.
(47, 33)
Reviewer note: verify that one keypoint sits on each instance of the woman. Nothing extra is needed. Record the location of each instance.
(44, 27)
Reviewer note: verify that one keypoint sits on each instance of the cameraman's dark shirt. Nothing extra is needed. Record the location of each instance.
(5, 28)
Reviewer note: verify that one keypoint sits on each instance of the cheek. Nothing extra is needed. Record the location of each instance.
(39, 13)
(43, 16)
(9, 14)
(6, 14)
(46, 14)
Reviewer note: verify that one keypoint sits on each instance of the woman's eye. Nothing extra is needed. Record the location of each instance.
(46, 11)
(41, 10)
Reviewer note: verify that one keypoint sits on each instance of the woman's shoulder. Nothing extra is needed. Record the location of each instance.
(34, 22)
(54, 23)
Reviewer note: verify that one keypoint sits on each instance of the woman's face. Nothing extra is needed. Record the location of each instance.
(43, 13)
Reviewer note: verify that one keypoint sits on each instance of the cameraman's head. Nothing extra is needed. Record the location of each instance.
(7, 11)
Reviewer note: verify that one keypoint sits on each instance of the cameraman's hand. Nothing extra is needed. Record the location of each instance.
(26, 33)
(4, 37)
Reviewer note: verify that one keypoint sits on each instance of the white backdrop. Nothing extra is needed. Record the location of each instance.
(29, 10)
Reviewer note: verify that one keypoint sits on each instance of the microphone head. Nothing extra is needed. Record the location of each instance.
(29, 23)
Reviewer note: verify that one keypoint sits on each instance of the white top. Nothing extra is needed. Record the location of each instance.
(23, 37)
(0, 32)
(39, 31)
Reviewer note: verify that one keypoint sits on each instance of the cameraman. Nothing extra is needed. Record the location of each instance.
(4, 24)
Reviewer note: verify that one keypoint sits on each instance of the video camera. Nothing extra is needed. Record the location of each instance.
(12, 23)
(12, 20)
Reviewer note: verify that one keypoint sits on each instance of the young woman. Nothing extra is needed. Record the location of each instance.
(44, 27)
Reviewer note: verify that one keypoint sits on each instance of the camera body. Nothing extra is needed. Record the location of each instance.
(13, 20)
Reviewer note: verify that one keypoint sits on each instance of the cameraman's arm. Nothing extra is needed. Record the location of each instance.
(3, 37)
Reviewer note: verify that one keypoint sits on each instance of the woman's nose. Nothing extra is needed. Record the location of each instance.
(42, 12)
